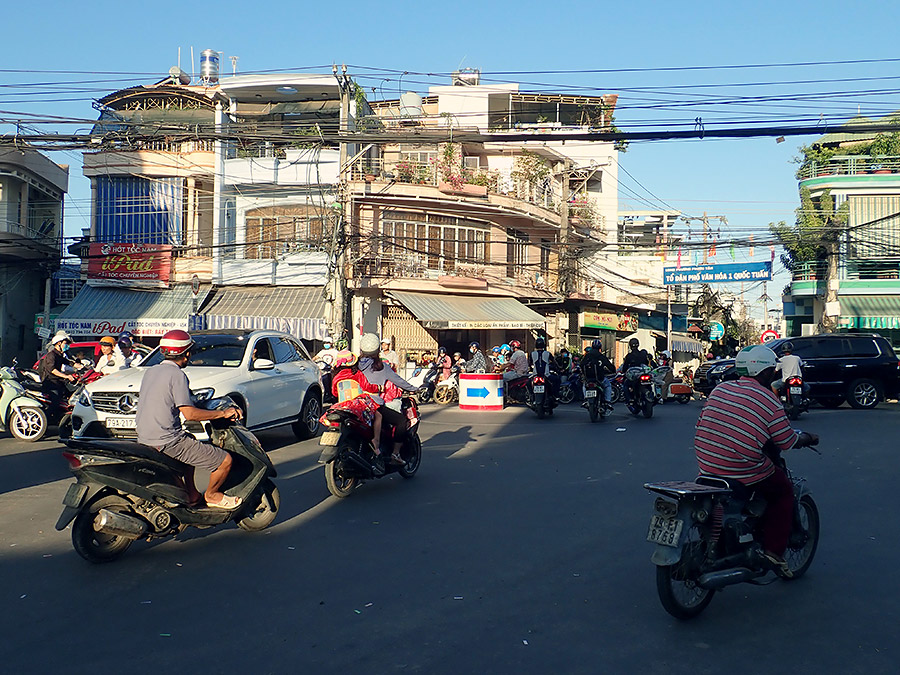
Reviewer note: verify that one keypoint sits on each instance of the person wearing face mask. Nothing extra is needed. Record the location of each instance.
(476, 363)
(55, 368)
(106, 362)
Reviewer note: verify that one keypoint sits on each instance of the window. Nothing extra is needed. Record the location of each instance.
(516, 252)
(545, 258)
(862, 347)
(67, 289)
(262, 350)
(443, 243)
(803, 348)
(272, 232)
(285, 350)
(830, 348)
(412, 153)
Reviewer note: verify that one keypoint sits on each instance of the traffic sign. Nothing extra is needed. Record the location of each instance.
(716, 330)
(768, 336)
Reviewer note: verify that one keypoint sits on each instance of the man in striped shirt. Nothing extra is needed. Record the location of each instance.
(741, 417)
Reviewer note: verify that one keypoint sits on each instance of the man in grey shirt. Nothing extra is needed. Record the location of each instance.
(164, 397)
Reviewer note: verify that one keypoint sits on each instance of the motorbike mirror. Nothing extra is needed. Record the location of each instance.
(263, 364)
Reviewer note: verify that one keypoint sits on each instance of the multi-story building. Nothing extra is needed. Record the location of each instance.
(867, 183)
(31, 210)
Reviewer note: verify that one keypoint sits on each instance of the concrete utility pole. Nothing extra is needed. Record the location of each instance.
(337, 287)
(566, 260)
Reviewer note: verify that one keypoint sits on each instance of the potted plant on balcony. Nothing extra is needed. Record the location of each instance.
(453, 178)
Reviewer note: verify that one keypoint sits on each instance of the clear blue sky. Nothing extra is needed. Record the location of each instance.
(749, 181)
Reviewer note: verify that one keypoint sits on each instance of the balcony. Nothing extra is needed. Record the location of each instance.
(852, 165)
(28, 241)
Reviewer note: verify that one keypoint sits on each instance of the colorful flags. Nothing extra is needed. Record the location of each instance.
(751, 247)
(731, 251)
(712, 250)
(772, 249)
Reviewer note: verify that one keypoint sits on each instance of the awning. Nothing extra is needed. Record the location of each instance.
(686, 344)
(109, 311)
(448, 312)
(870, 312)
(298, 310)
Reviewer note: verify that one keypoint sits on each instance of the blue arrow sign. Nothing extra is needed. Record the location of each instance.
(477, 393)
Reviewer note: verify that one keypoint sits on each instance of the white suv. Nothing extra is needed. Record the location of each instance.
(267, 373)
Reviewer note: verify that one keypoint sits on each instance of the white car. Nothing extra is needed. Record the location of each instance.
(268, 374)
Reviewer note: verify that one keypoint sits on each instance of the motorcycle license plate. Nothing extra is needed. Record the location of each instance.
(121, 422)
(796, 391)
(74, 495)
(591, 393)
(538, 389)
(330, 438)
(665, 531)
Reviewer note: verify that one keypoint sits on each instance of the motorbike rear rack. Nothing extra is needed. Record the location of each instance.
(684, 488)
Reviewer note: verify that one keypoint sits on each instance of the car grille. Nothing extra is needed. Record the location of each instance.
(702, 370)
(108, 402)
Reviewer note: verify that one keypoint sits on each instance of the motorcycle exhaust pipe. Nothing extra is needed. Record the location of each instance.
(359, 462)
(723, 578)
(110, 522)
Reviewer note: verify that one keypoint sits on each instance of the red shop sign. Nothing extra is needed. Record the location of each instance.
(130, 264)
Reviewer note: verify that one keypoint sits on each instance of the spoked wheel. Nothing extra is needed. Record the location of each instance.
(566, 394)
(443, 395)
(863, 393)
(339, 484)
(804, 542)
(28, 424)
(618, 393)
(412, 452)
(99, 547)
(265, 511)
(676, 584)
(424, 394)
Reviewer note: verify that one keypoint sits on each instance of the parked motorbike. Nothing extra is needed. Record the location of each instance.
(617, 382)
(125, 491)
(447, 391)
(21, 413)
(706, 536)
(793, 398)
(570, 388)
(424, 378)
(669, 388)
(644, 391)
(347, 451)
(595, 402)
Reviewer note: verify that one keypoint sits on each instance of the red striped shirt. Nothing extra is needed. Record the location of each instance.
(738, 419)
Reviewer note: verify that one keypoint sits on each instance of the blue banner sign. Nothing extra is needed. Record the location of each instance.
(717, 274)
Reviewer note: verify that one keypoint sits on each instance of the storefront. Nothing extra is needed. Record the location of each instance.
(871, 314)
(606, 326)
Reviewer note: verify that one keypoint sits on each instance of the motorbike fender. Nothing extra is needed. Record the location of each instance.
(24, 402)
(69, 512)
(328, 454)
(665, 555)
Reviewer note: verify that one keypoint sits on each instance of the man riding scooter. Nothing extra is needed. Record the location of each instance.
(595, 366)
(545, 365)
(635, 358)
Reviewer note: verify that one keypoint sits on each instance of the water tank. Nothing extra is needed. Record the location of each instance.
(179, 76)
(410, 104)
(209, 66)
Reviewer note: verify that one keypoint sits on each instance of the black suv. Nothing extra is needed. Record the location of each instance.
(860, 368)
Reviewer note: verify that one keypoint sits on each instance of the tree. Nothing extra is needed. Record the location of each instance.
(710, 305)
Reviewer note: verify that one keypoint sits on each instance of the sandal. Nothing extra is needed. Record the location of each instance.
(228, 502)
(397, 459)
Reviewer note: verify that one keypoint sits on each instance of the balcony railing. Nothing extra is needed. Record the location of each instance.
(851, 165)
(872, 270)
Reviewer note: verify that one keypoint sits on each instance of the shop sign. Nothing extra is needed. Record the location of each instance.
(717, 274)
(487, 325)
(147, 265)
(142, 327)
(716, 330)
(39, 323)
(605, 321)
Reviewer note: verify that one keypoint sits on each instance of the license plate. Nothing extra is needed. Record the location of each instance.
(538, 389)
(665, 531)
(74, 495)
(330, 438)
(796, 391)
(120, 422)
(591, 393)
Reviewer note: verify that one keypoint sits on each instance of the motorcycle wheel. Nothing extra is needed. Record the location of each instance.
(94, 546)
(414, 448)
(338, 484)
(792, 412)
(618, 394)
(28, 424)
(539, 409)
(269, 499)
(647, 408)
(566, 394)
(676, 584)
(443, 395)
(683, 398)
(424, 394)
(803, 543)
(594, 410)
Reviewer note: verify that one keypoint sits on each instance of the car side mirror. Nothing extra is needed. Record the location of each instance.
(263, 364)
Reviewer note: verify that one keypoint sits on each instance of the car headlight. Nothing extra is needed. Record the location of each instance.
(84, 398)
(717, 370)
(204, 394)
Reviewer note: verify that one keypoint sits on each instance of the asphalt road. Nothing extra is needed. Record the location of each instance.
(518, 548)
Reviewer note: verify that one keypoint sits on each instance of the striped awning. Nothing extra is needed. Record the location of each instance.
(686, 344)
(450, 312)
(298, 310)
(109, 311)
(870, 312)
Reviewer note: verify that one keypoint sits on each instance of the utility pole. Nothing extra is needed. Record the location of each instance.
(705, 220)
(566, 260)
(337, 288)
(765, 301)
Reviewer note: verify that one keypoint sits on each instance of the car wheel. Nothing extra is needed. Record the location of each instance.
(863, 393)
(307, 423)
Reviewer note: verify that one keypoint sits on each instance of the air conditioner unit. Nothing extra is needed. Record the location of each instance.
(809, 329)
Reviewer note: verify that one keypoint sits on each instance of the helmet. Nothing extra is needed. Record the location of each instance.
(456, 355)
(665, 354)
(326, 343)
(386, 341)
(505, 348)
(496, 350)
(175, 343)
(596, 344)
(126, 334)
(342, 343)
(108, 340)
(474, 345)
(787, 347)
(634, 343)
(60, 336)
(753, 360)
(345, 358)
(515, 344)
(125, 342)
(540, 343)
(442, 350)
(369, 344)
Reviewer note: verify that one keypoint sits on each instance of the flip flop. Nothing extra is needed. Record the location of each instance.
(228, 502)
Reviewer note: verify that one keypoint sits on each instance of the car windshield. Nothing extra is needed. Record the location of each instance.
(216, 351)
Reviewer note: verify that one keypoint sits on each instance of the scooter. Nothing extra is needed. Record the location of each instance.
(423, 378)
(325, 369)
(792, 397)
(594, 401)
(125, 491)
(672, 390)
(539, 396)
(644, 391)
(347, 451)
(21, 412)
(447, 391)
(570, 388)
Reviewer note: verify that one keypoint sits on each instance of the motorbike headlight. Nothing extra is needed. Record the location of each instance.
(204, 394)
(84, 398)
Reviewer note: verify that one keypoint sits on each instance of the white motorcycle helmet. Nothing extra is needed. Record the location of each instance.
(753, 360)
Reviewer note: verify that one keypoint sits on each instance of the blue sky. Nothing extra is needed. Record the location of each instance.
(749, 181)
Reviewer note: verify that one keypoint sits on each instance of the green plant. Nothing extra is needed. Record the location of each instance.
(530, 167)
(449, 165)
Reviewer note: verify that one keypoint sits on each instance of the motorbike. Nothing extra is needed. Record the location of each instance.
(570, 388)
(424, 379)
(325, 370)
(348, 454)
(125, 491)
(539, 396)
(21, 413)
(706, 535)
(617, 382)
(644, 391)
(793, 398)
(597, 406)
(447, 391)
(669, 388)
(59, 413)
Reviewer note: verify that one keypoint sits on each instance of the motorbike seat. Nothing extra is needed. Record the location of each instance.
(134, 449)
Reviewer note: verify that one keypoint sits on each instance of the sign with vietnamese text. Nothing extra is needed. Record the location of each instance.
(717, 274)
(716, 330)
(144, 265)
(608, 321)
(142, 327)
